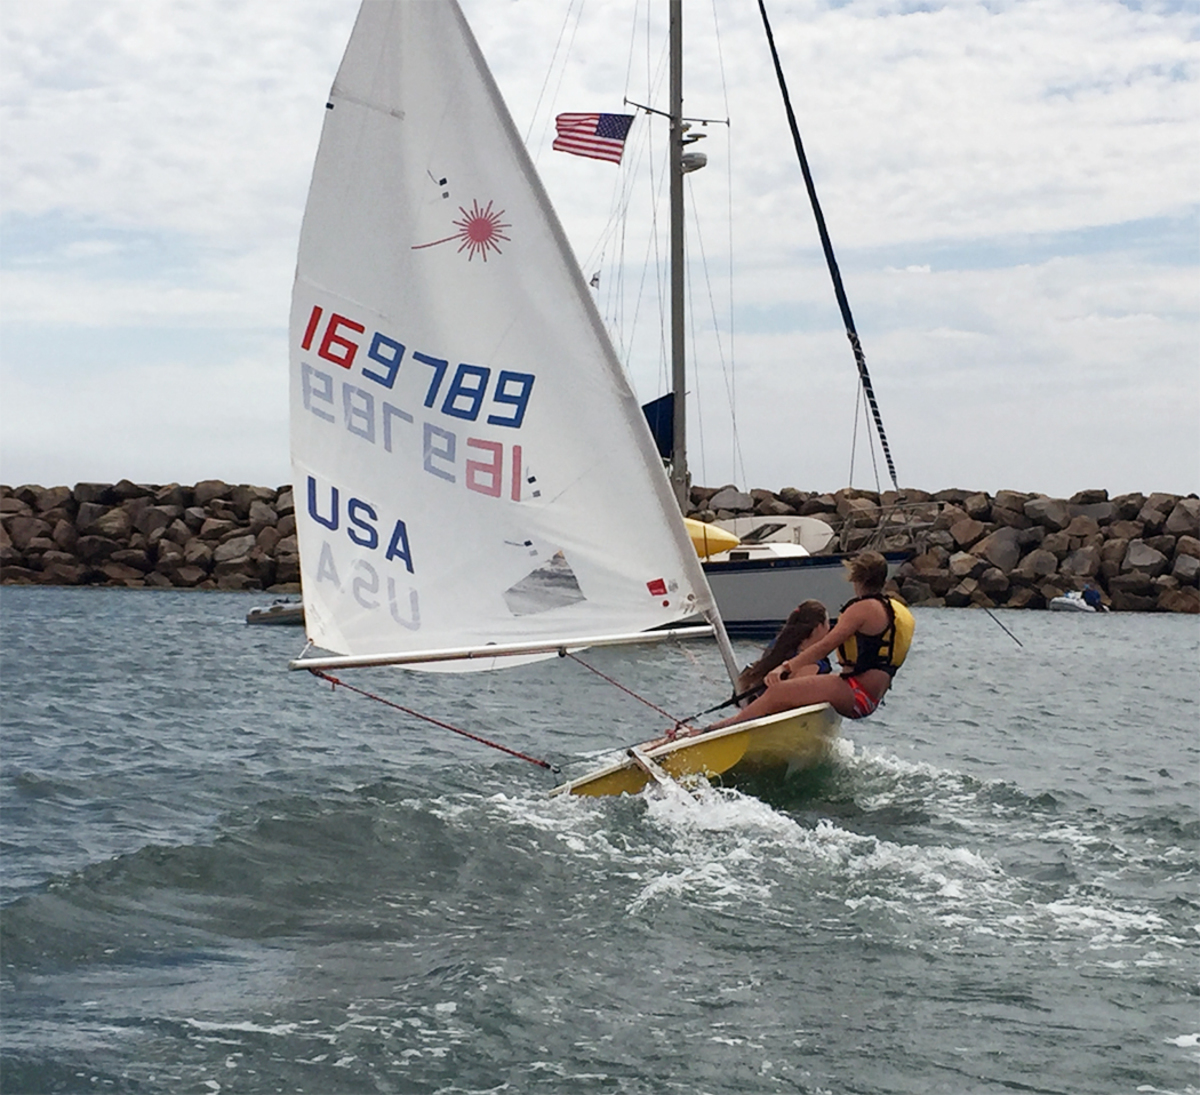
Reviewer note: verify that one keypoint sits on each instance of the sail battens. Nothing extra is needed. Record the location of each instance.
(369, 104)
(501, 650)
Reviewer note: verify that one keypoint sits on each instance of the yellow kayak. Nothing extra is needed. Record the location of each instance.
(709, 539)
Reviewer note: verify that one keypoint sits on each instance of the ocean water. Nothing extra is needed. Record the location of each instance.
(223, 877)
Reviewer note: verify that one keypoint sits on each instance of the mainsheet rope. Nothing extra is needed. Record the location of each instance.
(678, 724)
(337, 683)
(628, 691)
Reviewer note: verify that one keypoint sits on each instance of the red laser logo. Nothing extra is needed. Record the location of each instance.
(477, 232)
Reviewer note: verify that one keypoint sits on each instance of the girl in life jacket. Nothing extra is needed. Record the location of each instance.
(808, 623)
(872, 637)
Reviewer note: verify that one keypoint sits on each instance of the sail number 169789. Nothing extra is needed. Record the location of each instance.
(462, 398)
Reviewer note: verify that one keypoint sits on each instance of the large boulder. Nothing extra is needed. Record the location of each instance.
(195, 516)
(1184, 519)
(978, 506)
(22, 531)
(1144, 559)
(949, 516)
(1185, 599)
(133, 557)
(1001, 548)
(1186, 569)
(994, 582)
(152, 518)
(965, 565)
(261, 515)
(968, 532)
(1155, 512)
(1011, 518)
(244, 496)
(1187, 545)
(816, 506)
(1082, 563)
(55, 498)
(87, 515)
(234, 549)
(731, 499)
(1082, 527)
(169, 557)
(1050, 513)
(216, 527)
(207, 490)
(101, 493)
(1038, 564)
(1128, 506)
(1102, 513)
(65, 535)
(95, 549)
(173, 495)
(115, 524)
(1126, 529)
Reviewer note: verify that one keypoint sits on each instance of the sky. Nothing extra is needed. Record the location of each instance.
(1011, 188)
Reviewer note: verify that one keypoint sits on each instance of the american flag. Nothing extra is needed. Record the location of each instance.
(600, 136)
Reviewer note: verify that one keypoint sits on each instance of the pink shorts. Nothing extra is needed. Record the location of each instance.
(864, 705)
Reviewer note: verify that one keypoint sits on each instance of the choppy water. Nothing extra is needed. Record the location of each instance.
(219, 877)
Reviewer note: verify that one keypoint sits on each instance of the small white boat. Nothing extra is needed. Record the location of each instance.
(281, 612)
(1074, 601)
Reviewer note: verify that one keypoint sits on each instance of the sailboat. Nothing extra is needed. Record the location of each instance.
(464, 440)
(779, 561)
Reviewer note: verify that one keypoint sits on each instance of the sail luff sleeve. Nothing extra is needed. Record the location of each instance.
(839, 291)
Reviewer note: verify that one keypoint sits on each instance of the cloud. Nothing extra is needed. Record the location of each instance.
(1034, 163)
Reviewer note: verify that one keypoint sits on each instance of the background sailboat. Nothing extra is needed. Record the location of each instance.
(756, 583)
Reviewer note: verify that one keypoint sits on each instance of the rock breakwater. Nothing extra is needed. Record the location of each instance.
(1008, 550)
(212, 535)
(967, 548)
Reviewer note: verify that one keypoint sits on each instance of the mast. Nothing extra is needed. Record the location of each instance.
(679, 468)
(679, 166)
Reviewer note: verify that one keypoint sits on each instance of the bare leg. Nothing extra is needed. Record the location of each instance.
(795, 692)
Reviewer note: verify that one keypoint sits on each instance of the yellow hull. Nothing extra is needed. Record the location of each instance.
(774, 746)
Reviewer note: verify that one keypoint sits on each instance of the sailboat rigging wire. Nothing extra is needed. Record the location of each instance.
(550, 71)
(338, 683)
(726, 364)
(839, 291)
(854, 432)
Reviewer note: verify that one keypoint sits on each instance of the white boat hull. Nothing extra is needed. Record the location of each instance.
(755, 596)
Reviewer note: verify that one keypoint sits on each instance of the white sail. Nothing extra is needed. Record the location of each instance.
(470, 465)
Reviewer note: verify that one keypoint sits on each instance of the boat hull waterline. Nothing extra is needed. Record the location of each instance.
(774, 746)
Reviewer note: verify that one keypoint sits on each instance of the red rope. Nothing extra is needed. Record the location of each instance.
(629, 692)
(427, 718)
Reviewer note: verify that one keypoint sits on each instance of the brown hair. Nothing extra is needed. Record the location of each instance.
(802, 622)
(868, 569)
